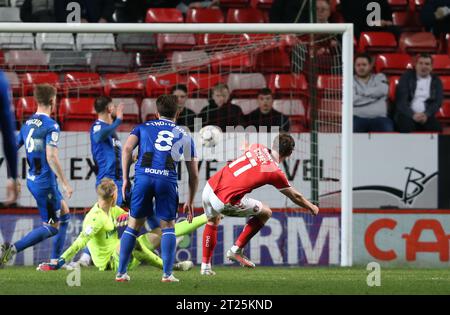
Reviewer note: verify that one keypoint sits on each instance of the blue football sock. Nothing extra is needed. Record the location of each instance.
(37, 235)
(60, 238)
(127, 243)
(168, 247)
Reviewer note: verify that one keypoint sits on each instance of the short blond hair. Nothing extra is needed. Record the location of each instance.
(44, 93)
(106, 189)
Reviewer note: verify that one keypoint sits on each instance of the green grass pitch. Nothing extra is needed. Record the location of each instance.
(230, 280)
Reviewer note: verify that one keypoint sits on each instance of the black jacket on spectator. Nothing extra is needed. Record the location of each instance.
(38, 11)
(429, 20)
(186, 118)
(272, 119)
(227, 115)
(286, 11)
(405, 93)
(137, 9)
(91, 10)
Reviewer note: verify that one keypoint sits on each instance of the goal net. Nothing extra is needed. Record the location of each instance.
(303, 66)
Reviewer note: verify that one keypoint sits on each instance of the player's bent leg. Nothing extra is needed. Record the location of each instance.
(209, 243)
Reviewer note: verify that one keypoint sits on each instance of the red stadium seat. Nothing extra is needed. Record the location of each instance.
(246, 105)
(245, 15)
(393, 81)
(167, 42)
(418, 42)
(158, 84)
(27, 60)
(330, 115)
(296, 110)
(407, 21)
(441, 64)
(204, 15)
(189, 61)
(273, 60)
(148, 109)
(216, 40)
(234, 3)
(29, 80)
(82, 84)
(231, 62)
(262, 4)
(374, 42)
(77, 114)
(443, 115)
(398, 5)
(393, 64)
(128, 84)
(201, 83)
(25, 107)
(288, 85)
(246, 84)
(446, 84)
(130, 113)
(329, 86)
(161, 15)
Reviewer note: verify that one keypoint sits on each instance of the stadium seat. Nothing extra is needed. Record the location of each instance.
(200, 84)
(398, 5)
(82, 84)
(330, 113)
(288, 85)
(273, 60)
(128, 84)
(196, 60)
(215, 40)
(25, 107)
(246, 105)
(95, 41)
(232, 62)
(158, 84)
(69, 61)
(245, 84)
(262, 4)
(29, 80)
(130, 113)
(16, 41)
(446, 85)
(26, 60)
(167, 42)
(55, 41)
(204, 15)
(407, 21)
(197, 104)
(148, 109)
(112, 61)
(393, 81)
(162, 15)
(261, 42)
(441, 64)
(296, 110)
(10, 15)
(447, 42)
(413, 43)
(77, 114)
(14, 82)
(245, 15)
(329, 86)
(375, 42)
(136, 42)
(393, 64)
(234, 3)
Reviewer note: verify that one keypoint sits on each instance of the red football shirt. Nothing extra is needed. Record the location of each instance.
(255, 168)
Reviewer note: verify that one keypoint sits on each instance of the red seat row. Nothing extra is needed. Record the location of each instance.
(411, 43)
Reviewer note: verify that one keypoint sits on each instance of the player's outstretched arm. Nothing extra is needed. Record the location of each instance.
(299, 200)
(55, 165)
(105, 131)
(192, 168)
(127, 158)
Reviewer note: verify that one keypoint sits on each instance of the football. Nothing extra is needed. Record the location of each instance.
(210, 136)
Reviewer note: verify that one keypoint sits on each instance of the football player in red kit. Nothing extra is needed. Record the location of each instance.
(225, 194)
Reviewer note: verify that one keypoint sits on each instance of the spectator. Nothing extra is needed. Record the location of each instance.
(92, 11)
(38, 11)
(288, 11)
(137, 9)
(323, 11)
(357, 12)
(220, 112)
(419, 96)
(186, 116)
(435, 16)
(265, 115)
(370, 93)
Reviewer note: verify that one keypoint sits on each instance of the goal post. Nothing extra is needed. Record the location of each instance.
(346, 131)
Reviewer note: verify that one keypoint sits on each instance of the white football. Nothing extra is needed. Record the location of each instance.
(210, 135)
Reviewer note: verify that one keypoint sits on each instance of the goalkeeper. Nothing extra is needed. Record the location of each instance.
(100, 235)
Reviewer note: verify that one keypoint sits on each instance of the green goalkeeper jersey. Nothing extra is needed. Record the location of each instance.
(99, 234)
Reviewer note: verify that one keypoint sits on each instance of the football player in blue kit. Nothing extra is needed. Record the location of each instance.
(162, 144)
(40, 135)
